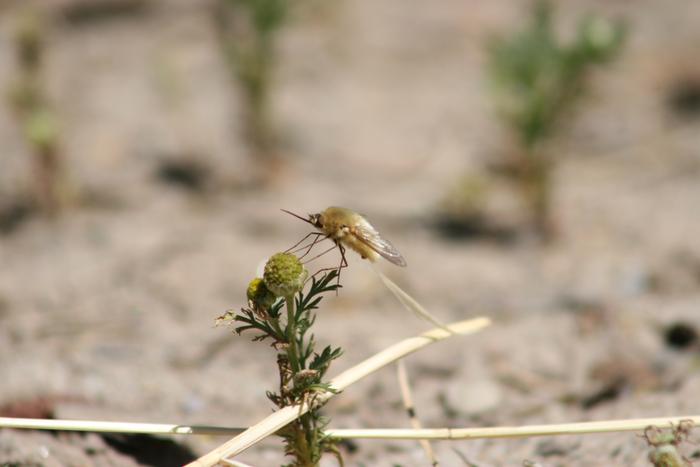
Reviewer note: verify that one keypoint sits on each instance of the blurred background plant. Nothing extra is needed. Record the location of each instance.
(535, 80)
(465, 209)
(248, 31)
(34, 114)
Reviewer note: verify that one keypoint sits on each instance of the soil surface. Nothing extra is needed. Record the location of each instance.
(107, 311)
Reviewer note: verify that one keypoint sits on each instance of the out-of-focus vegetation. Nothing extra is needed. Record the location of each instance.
(34, 115)
(536, 78)
(462, 211)
(248, 31)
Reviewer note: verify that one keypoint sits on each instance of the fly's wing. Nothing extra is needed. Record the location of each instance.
(369, 236)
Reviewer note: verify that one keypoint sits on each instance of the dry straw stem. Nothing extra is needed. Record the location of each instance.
(582, 428)
(409, 302)
(282, 417)
(116, 427)
(405, 387)
(234, 463)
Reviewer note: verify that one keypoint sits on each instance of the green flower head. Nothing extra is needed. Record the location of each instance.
(284, 274)
(259, 295)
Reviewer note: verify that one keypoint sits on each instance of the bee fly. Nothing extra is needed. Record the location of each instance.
(346, 228)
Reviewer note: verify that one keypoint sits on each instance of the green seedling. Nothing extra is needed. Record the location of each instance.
(536, 78)
(34, 114)
(249, 32)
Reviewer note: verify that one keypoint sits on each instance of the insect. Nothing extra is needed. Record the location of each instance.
(346, 228)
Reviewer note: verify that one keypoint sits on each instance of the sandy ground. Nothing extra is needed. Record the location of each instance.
(108, 312)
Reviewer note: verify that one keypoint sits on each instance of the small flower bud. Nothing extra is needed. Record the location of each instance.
(667, 456)
(284, 274)
(305, 376)
(227, 318)
(259, 295)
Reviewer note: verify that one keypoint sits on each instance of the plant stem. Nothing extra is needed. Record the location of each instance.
(303, 457)
(537, 187)
(47, 168)
(302, 427)
(292, 335)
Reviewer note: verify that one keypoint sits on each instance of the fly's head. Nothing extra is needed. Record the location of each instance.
(316, 220)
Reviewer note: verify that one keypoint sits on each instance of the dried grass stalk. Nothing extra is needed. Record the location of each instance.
(116, 427)
(582, 428)
(408, 404)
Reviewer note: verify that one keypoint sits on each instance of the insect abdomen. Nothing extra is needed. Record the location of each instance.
(351, 241)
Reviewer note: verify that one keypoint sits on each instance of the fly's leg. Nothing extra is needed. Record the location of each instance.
(294, 249)
(335, 244)
(319, 238)
(343, 264)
